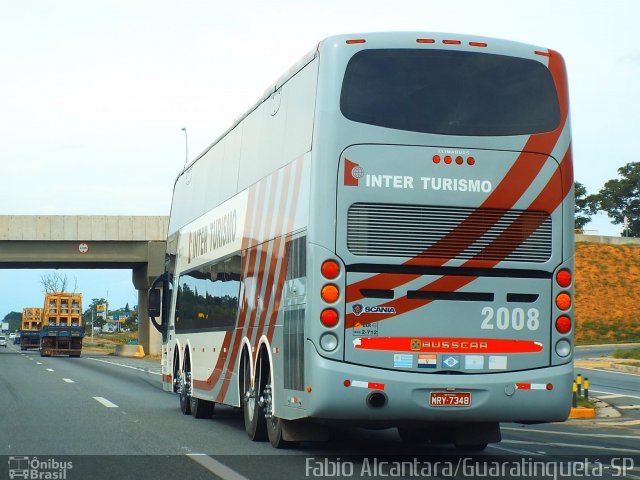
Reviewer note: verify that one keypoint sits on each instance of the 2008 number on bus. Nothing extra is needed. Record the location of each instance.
(504, 318)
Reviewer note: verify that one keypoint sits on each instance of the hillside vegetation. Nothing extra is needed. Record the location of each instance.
(607, 290)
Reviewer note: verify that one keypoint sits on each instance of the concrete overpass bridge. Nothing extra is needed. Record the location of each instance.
(90, 242)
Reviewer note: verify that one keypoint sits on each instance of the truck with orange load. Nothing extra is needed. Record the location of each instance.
(62, 328)
(30, 328)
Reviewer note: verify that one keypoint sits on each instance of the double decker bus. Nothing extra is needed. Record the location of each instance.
(385, 240)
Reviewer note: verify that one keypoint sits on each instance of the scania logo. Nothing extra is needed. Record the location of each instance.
(358, 309)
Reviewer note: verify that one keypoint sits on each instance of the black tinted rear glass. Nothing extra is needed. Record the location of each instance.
(450, 93)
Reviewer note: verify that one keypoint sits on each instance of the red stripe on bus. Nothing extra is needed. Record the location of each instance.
(283, 266)
(234, 353)
(247, 240)
(448, 345)
(268, 213)
(275, 247)
(278, 291)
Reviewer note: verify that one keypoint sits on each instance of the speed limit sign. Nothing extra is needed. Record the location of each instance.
(83, 247)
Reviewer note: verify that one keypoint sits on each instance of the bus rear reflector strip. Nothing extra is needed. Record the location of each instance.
(532, 386)
(447, 345)
(371, 385)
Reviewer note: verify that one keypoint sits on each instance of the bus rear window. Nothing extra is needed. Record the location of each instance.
(449, 93)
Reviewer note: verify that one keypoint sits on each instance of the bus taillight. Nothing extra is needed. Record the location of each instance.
(330, 293)
(329, 317)
(563, 324)
(563, 301)
(563, 278)
(330, 269)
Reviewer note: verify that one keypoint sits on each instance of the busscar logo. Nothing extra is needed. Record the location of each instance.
(353, 172)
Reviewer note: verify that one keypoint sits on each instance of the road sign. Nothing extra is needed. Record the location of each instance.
(83, 248)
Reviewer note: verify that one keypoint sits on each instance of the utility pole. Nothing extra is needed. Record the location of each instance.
(186, 146)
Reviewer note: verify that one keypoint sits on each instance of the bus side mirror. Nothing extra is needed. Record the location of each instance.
(154, 303)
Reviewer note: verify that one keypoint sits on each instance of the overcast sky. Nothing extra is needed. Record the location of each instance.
(93, 94)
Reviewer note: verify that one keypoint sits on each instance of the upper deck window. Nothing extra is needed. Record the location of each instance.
(449, 93)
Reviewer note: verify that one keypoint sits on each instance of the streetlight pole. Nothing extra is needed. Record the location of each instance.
(186, 146)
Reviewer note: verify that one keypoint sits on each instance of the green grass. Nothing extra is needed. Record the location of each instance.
(583, 402)
(633, 354)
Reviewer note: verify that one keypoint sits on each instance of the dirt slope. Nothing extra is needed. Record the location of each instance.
(607, 290)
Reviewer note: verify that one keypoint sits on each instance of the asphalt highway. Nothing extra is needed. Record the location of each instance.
(110, 418)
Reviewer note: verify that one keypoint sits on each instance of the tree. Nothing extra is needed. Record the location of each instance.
(54, 282)
(620, 199)
(131, 323)
(14, 319)
(586, 206)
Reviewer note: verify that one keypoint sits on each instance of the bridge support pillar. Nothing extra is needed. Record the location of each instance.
(143, 276)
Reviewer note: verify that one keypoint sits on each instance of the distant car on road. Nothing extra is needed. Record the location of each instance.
(12, 335)
(3, 341)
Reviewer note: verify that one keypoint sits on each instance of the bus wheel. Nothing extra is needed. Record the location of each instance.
(201, 408)
(254, 422)
(176, 375)
(274, 431)
(185, 392)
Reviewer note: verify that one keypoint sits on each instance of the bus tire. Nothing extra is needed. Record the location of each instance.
(254, 421)
(274, 432)
(201, 408)
(185, 397)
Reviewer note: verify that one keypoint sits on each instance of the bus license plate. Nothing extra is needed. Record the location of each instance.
(450, 399)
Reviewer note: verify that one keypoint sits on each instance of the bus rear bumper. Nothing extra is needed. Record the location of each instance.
(342, 391)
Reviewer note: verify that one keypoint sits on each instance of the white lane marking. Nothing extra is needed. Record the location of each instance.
(106, 402)
(215, 467)
(511, 450)
(628, 407)
(571, 434)
(606, 397)
(611, 371)
(125, 366)
(68, 380)
(614, 450)
(612, 393)
(50, 370)
(38, 363)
